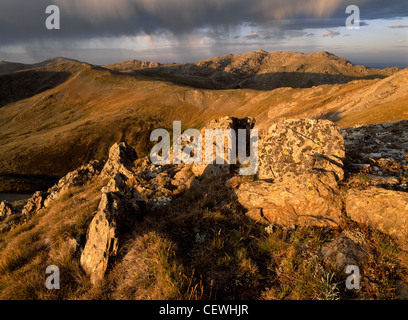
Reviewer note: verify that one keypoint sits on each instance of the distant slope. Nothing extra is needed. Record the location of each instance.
(131, 65)
(9, 67)
(76, 118)
(262, 70)
(357, 102)
(34, 79)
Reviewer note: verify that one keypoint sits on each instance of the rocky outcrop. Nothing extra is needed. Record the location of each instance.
(132, 65)
(35, 203)
(6, 210)
(121, 160)
(43, 199)
(386, 210)
(121, 157)
(299, 146)
(183, 178)
(379, 152)
(306, 200)
(300, 162)
(73, 179)
(117, 209)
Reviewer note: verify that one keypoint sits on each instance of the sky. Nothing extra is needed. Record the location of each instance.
(108, 31)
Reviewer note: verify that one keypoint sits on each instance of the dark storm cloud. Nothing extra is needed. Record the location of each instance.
(22, 20)
(252, 36)
(276, 34)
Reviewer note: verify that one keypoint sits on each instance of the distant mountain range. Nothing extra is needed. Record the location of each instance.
(61, 113)
(260, 70)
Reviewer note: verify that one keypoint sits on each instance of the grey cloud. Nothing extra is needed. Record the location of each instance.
(22, 20)
(277, 34)
(331, 33)
(252, 36)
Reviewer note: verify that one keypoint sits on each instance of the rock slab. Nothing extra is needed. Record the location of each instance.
(384, 209)
(306, 200)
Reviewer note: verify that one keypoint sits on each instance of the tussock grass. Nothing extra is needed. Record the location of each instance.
(48, 238)
(202, 246)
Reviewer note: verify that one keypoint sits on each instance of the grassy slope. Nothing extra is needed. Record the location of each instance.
(201, 247)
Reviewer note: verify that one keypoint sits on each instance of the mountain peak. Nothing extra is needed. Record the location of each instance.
(325, 53)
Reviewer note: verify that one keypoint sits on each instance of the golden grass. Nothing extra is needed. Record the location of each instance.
(48, 239)
(387, 112)
(200, 247)
(189, 251)
(150, 271)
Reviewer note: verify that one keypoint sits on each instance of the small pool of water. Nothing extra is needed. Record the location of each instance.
(11, 197)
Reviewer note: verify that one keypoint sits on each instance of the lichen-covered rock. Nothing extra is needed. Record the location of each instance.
(6, 209)
(121, 160)
(386, 210)
(300, 146)
(306, 200)
(117, 209)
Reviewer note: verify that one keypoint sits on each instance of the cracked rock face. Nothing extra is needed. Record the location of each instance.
(102, 238)
(119, 205)
(299, 146)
